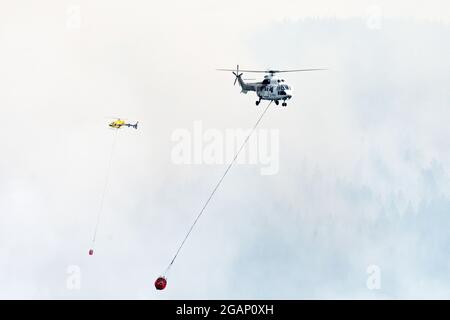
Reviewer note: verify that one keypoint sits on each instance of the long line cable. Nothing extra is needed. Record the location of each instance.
(105, 187)
(217, 186)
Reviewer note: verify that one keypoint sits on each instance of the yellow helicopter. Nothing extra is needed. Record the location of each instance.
(119, 123)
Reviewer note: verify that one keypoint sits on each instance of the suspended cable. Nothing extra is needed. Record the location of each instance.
(214, 190)
(105, 187)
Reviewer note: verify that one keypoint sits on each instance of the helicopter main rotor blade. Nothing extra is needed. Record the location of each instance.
(234, 70)
(298, 70)
(271, 71)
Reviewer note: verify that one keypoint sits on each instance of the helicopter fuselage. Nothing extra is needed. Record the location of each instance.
(274, 89)
(271, 88)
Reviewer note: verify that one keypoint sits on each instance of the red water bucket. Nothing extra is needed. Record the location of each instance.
(160, 283)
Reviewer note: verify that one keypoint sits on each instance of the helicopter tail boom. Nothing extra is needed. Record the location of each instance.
(133, 125)
(245, 87)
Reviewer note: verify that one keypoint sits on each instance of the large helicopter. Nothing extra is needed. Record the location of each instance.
(270, 88)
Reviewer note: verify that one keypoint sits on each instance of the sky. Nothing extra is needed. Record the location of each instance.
(363, 164)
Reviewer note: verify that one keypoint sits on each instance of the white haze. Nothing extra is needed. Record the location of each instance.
(364, 161)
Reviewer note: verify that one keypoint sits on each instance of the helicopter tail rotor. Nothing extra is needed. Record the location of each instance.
(237, 74)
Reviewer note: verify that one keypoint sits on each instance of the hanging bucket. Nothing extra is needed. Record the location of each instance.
(160, 283)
